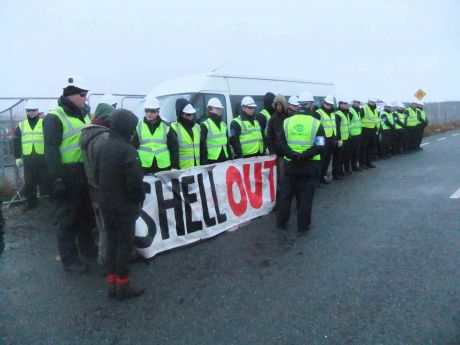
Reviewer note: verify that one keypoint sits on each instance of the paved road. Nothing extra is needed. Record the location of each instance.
(380, 266)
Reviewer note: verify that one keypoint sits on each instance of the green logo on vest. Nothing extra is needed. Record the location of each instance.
(299, 128)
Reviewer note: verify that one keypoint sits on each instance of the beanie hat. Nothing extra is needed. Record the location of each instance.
(268, 100)
(103, 111)
(181, 103)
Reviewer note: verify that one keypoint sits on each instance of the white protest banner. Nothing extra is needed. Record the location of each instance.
(186, 206)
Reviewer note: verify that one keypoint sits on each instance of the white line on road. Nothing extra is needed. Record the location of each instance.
(424, 144)
(443, 138)
(456, 195)
(454, 135)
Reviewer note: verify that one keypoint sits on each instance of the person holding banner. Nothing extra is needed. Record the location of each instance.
(121, 189)
(245, 132)
(187, 134)
(302, 140)
(157, 146)
(214, 143)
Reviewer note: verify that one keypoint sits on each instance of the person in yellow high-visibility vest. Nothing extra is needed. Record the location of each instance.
(412, 121)
(423, 122)
(326, 114)
(188, 135)
(157, 146)
(355, 134)
(370, 123)
(340, 157)
(64, 159)
(399, 120)
(215, 144)
(29, 151)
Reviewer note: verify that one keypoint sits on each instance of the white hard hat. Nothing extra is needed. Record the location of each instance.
(293, 100)
(31, 104)
(151, 103)
(372, 99)
(108, 98)
(388, 104)
(420, 102)
(76, 82)
(329, 99)
(355, 100)
(247, 101)
(400, 104)
(189, 109)
(53, 105)
(215, 103)
(305, 96)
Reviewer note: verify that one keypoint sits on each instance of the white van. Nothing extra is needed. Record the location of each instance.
(229, 89)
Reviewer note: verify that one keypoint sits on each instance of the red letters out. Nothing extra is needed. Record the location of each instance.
(255, 196)
(233, 176)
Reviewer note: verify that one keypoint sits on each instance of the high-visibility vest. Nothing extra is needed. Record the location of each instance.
(70, 148)
(189, 150)
(267, 115)
(390, 119)
(344, 125)
(251, 137)
(32, 139)
(300, 132)
(328, 122)
(355, 123)
(422, 114)
(216, 139)
(371, 117)
(153, 145)
(412, 120)
(400, 116)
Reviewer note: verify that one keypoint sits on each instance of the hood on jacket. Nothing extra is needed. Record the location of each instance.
(181, 103)
(103, 111)
(280, 98)
(89, 132)
(123, 123)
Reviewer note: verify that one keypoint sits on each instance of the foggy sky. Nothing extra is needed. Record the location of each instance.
(387, 49)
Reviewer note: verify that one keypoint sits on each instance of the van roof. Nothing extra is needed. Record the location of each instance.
(216, 82)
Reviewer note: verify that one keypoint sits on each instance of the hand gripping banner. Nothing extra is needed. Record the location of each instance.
(186, 206)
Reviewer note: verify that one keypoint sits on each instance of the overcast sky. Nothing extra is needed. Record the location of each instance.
(387, 49)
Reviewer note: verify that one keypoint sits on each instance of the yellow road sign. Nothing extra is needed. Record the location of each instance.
(420, 94)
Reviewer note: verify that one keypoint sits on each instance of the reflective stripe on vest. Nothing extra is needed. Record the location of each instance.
(371, 118)
(32, 139)
(71, 126)
(153, 145)
(328, 122)
(390, 119)
(216, 139)
(355, 123)
(412, 120)
(300, 132)
(424, 117)
(189, 150)
(251, 137)
(400, 117)
(344, 125)
(267, 115)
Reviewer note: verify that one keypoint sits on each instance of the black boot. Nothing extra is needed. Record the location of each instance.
(126, 291)
(112, 291)
(31, 204)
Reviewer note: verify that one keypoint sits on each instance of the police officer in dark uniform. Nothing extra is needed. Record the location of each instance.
(301, 142)
(64, 159)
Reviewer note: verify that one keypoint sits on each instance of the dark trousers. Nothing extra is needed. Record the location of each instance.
(35, 174)
(355, 149)
(346, 158)
(337, 161)
(412, 138)
(120, 241)
(75, 221)
(279, 178)
(326, 160)
(420, 130)
(386, 144)
(398, 141)
(368, 138)
(302, 187)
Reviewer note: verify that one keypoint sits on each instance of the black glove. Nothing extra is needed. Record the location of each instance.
(295, 157)
(59, 188)
(147, 187)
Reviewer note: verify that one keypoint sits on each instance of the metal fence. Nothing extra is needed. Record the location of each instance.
(443, 112)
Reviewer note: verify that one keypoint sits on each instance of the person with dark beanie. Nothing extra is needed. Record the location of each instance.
(188, 135)
(64, 159)
(265, 114)
(91, 139)
(121, 191)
